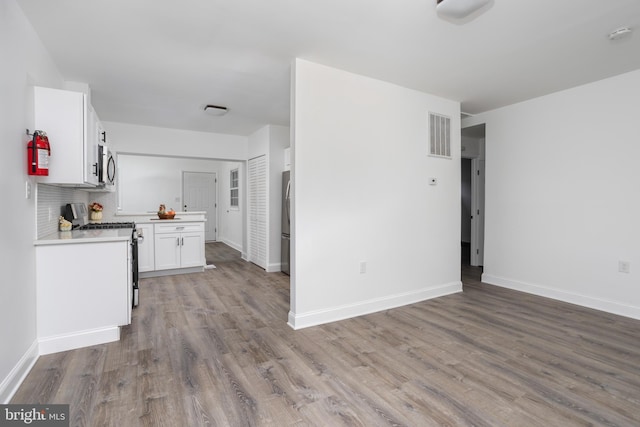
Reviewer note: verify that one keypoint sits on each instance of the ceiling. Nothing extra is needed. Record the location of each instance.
(158, 62)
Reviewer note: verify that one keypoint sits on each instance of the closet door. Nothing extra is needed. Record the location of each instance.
(258, 211)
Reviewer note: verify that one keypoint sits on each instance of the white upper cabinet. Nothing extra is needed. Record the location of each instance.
(72, 128)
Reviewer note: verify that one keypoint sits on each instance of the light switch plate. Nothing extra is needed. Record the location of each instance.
(624, 266)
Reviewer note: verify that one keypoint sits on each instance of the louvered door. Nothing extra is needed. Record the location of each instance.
(258, 211)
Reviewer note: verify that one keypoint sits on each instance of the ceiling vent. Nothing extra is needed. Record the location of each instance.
(215, 110)
(439, 135)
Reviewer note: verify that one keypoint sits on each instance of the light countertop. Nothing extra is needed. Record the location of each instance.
(152, 217)
(85, 236)
(158, 220)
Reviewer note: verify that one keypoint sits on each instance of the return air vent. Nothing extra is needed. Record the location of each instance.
(439, 135)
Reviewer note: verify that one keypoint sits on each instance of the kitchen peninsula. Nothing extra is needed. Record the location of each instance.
(168, 246)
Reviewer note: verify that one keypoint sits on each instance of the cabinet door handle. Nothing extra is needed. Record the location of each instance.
(182, 243)
(177, 241)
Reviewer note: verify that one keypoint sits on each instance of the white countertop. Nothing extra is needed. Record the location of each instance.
(154, 213)
(84, 236)
(152, 217)
(176, 219)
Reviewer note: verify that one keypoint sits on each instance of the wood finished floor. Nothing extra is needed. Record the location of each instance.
(214, 348)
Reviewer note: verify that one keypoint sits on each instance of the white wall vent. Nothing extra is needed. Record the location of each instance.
(439, 135)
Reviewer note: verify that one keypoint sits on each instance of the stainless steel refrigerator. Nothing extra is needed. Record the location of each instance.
(286, 223)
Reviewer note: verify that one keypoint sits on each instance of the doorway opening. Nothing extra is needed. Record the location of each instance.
(472, 196)
(466, 215)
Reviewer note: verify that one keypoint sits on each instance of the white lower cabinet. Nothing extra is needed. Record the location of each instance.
(167, 252)
(83, 293)
(146, 255)
(179, 245)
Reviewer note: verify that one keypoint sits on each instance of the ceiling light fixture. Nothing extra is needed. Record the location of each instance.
(459, 9)
(619, 33)
(215, 110)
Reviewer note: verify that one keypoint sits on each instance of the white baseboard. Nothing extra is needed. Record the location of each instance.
(234, 245)
(10, 384)
(79, 339)
(319, 317)
(612, 307)
(171, 272)
(272, 268)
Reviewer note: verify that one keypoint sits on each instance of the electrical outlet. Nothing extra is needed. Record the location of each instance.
(363, 267)
(27, 189)
(624, 267)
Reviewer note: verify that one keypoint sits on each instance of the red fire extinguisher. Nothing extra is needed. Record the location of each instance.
(39, 152)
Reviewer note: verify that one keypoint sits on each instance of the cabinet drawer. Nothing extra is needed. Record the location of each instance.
(179, 227)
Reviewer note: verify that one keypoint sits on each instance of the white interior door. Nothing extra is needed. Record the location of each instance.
(199, 194)
(258, 211)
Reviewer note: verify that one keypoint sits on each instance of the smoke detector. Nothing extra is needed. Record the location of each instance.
(215, 110)
(459, 9)
(619, 33)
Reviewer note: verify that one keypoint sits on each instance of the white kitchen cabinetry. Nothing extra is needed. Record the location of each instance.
(72, 128)
(83, 293)
(179, 245)
(101, 132)
(146, 256)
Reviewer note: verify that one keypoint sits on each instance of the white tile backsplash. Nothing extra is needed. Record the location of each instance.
(109, 203)
(51, 201)
(54, 198)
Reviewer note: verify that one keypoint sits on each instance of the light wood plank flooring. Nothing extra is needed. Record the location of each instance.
(214, 349)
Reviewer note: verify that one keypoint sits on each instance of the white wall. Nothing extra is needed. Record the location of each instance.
(258, 143)
(470, 147)
(360, 193)
(25, 63)
(128, 138)
(562, 195)
(145, 182)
